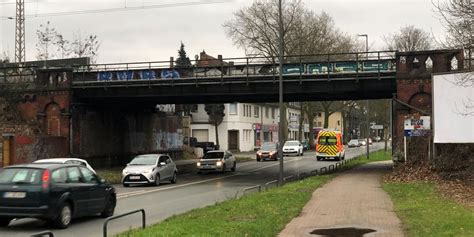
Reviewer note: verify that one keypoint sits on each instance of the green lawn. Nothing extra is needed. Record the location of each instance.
(424, 212)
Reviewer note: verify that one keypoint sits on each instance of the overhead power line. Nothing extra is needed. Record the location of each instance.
(121, 9)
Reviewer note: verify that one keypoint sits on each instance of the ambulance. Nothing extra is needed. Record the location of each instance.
(329, 145)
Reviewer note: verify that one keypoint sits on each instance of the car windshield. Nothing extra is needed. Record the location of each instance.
(292, 143)
(20, 176)
(269, 146)
(144, 160)
(214, 155)
(327, 140)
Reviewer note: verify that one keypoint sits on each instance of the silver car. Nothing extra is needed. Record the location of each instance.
(66, 161)
(149, 169)
(217, 161)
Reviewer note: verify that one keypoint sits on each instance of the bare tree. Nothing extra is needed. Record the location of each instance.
(85, 47)
(46, 38)
(457, 16)
(409, 38)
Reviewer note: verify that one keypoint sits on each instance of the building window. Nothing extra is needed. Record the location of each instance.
(338, 123)
(233, 108)
(319, 114)
(320, 124)
(247, 135)
(257, 112)
(273, 113)
(266, 112)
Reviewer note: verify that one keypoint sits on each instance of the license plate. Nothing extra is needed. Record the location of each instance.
(134, 177)
(14, 195)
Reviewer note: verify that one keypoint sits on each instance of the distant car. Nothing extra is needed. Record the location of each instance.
(268, 151)
(370, 141)
(353, 143)
(217, 161)
(377, 138)
(149, 169)
(293, 147)
(306, 146)
(66, 161)
(53, 192)
(363, 142)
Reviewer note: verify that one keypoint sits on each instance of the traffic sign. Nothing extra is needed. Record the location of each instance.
(376, 127)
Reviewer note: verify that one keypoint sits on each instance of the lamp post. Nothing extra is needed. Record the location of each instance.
(280, 93)
(367, 101)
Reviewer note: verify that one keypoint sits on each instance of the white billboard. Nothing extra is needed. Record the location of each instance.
(453, 108)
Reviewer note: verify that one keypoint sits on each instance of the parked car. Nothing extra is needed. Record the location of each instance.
(217, 161)
(377, 138)
(370, 141)
(206, 146)
(66, 161)
(268, 151)
(353, 143)
(293, 147)
(53, 192)
(363, 142)
(149, 169)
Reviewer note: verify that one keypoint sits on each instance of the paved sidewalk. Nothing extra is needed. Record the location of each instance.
(352, 204)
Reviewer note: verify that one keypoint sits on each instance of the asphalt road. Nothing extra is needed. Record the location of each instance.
(190, 192)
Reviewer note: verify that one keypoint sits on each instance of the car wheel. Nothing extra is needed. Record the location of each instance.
(125, 185)
(199, 172)
(157, 180)
(109, 207)
(258, 159)
(223, 169)
(318, 159)
(173, 179)
(234, 167)
(5, 221)
(64, 218)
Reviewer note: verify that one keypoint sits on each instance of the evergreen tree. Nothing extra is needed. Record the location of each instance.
(182, 60)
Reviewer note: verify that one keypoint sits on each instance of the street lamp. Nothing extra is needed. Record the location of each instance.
(367, 101)
(280, 92)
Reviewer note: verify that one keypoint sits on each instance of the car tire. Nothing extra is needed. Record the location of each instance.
(4, 221)
(109, 207)
(258, 159)
(157, 180)
(234, 167)
(125, 185)
(64, 218)
(223, 169)
(318, 159)
(199, 172)
(173, 179)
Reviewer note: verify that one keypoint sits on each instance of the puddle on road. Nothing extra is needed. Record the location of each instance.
(342, 232)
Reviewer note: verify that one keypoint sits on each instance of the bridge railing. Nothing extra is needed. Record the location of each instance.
(304, 65)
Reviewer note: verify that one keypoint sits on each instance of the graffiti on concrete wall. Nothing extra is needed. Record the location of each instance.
(168, 140)
(137, 75)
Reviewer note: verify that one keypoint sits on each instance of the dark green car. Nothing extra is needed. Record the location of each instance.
(53, 192)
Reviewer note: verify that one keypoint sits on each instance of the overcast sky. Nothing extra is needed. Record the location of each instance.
(154, 34)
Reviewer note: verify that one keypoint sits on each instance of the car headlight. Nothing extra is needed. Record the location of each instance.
(148, 171)
(125, 172)
(219, 163)
(259, 153)
(198, 164)
(271, 153)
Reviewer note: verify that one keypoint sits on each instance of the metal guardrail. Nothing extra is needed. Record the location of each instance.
(321, 170)
(43, 233)
(302, 175)
(267, 184)
(329, 168)
(104, 228)
(291, 177)
(259, 187)
(314, 172)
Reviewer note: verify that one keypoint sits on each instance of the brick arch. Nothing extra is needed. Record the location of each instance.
(421, 100)
(53, 119)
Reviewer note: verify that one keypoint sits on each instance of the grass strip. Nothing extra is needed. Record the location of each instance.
(424, 212)
(257, 214)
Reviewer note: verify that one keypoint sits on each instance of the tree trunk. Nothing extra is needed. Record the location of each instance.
(217, 136)
(300, 127)
(311, 132)
(326, 118)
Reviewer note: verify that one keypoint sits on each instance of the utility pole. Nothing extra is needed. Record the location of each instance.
(20, 32)
(280, 93)
(367, 101)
